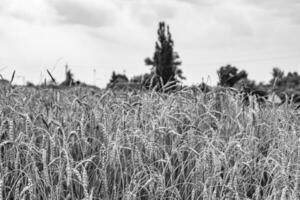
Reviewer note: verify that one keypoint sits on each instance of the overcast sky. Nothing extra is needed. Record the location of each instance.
(105, 35)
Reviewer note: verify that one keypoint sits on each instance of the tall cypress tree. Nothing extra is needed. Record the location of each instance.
(165, 60)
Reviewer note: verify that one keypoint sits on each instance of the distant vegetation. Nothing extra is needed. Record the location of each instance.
(165, 75)
(229, 76)
(165, 61)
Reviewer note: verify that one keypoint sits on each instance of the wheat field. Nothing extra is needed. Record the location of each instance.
(89, 144)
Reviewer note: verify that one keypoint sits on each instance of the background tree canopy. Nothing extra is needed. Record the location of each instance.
(165, 60)
(229, 76)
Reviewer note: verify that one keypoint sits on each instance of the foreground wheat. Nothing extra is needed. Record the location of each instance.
(84, 144)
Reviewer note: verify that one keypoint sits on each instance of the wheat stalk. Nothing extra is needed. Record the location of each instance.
(68, 171)
(11, 130)
(85, 182)
(1, 187)
(45, 167)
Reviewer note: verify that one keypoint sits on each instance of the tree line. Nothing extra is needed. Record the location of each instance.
(166, 75)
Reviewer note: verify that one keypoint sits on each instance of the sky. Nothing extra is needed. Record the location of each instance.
(95, 37)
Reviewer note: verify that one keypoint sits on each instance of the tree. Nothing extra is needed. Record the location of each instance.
(229, 76)
(117, 78)
(282, 81)
(113, 77)
(287, 86)
(145, 80)
(165, 60)
(277, 76)
(69, 81)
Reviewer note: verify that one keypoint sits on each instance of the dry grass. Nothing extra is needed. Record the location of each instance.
(84, 144)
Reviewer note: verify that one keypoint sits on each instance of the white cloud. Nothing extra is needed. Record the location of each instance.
(89, 13)
(33, 11)
(148, 13)
(234, 18)
(288, 9)
(200, 2)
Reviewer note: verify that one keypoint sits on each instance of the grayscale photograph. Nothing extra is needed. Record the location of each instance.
(150, 99)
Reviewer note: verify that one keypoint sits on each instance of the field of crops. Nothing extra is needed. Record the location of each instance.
(82, 143)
